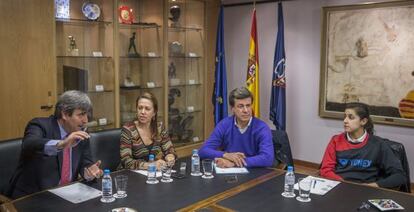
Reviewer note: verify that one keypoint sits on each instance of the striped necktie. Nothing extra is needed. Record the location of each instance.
(65, 175)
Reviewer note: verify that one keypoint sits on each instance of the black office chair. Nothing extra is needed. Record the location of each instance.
(9, 160)
(283, 153)
(105, 147)
(399, 151)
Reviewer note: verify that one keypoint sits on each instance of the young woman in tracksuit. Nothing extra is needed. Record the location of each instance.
(358, 155)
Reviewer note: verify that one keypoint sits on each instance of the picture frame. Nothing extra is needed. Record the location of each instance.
(367, 55)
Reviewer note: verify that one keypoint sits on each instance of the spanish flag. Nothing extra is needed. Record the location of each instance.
(252, 80)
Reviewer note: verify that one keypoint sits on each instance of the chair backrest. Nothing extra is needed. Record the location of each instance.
(9, 159)
(399, 151)
(283, 153)
(105, 147)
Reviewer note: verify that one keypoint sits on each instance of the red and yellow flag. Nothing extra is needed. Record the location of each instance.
(252, 81)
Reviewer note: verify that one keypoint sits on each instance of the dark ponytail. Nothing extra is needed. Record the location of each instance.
(362, 111)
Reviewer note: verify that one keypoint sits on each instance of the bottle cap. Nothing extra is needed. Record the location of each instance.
(106, 171)
(151, 157)
(290, 168)
(195, 151)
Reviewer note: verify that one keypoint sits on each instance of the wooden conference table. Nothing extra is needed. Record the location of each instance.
(257, 191)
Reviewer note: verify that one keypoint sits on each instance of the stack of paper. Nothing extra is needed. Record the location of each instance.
(145, 172)
(233, 170)
(76, 192)
(320, 186)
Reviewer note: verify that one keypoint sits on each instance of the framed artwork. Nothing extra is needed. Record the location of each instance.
(367, 55)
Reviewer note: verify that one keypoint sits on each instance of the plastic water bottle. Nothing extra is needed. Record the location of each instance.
(289, 183)
(152, 171)
(195, 164)
(107, 187)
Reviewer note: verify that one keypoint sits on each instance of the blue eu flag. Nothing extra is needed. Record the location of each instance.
(220, 84)
(278, 96)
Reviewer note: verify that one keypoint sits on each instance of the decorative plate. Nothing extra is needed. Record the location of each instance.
(125, 15)
(91, 11)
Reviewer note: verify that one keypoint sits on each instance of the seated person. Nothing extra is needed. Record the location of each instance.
(56, 149)
(240, 140)
(360, 156)
(145, 136)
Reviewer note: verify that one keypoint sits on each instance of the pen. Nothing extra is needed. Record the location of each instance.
(314, 183)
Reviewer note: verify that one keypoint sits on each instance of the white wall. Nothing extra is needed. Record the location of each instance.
(308, 133)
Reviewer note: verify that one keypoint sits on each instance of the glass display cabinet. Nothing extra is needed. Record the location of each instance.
(186, 60)
(84, 54)
(140, 39)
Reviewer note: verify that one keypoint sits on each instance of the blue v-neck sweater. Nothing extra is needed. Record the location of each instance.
(255, 142)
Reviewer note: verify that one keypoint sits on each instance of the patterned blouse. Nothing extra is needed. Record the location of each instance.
(134, 153)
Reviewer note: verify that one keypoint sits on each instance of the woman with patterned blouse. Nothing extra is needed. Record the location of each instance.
(145, 136)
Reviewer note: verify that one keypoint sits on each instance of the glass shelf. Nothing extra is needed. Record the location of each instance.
(183, 29)
(84, 57)
(183, 113)
(97, 92)
(96, 128)
(184, 85)
(138, 87)
(75, 20)
(184, 56)
(180, 143)
(140, 57)
(139, 25)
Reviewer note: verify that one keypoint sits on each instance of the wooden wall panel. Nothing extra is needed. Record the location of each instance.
(27, 63)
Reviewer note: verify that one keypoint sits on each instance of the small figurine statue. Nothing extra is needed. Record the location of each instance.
(172, 71)
(132, 46)
(175, 12)
(128, 82)
(72, 42)
(73, 51)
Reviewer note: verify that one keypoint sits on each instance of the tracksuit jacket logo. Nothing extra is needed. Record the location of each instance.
(362, 163)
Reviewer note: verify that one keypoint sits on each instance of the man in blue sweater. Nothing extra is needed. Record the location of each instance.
(240, 140)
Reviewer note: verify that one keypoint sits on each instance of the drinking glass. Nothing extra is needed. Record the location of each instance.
(166, 173)
(183, 167)
(304, 185)
(207, 169)
(121, 182)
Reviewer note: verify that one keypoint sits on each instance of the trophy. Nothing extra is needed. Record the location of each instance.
(174, 92)
(176, 49)
(179, 128)
(172, 71)
(132, 46)
(73, 51)
(172, 76)
(175, 12)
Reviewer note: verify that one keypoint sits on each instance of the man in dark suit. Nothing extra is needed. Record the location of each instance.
(55, 150)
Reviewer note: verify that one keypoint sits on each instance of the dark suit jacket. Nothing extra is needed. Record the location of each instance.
(37, 171)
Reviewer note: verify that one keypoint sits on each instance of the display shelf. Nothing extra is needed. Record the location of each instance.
(84, 57)
(185, 57)
(183, 29)
(140, 25)
(141, 57)
(83, 21)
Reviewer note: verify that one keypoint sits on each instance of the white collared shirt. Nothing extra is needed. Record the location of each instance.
(242, 130)
(358, 140)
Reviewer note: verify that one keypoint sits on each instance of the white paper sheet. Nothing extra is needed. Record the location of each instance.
(145, 172)
(320, 186)
(76, 192)
(233, 170)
